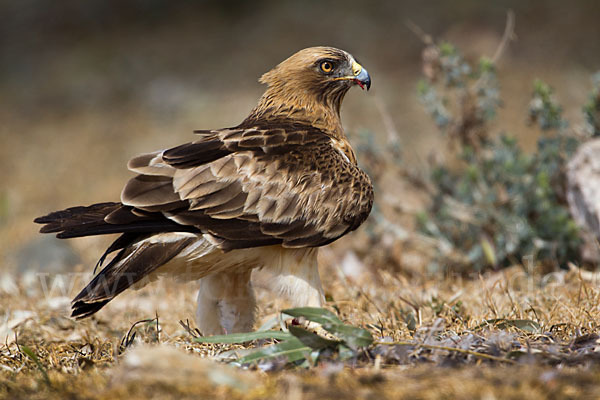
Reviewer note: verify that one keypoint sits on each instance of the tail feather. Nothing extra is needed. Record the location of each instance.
(121, 242)
(82, 310)
(148, 240)
(133, 263)
(78, 218)
(104, 219)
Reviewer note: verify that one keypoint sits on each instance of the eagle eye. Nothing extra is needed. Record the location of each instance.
(326, 66)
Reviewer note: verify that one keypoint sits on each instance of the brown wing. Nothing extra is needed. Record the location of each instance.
(255, 186)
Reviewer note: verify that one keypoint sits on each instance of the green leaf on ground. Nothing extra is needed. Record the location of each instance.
(353, 336)
(29, 353)
(314, 314)
(311, 339)
(293, 349)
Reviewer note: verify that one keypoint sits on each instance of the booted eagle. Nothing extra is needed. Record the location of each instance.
(263, 194)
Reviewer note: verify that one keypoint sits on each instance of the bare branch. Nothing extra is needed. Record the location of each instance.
(388, 122)
(420, 33)
(509, 34)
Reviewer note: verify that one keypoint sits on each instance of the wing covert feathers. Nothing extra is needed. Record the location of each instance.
(263, 184)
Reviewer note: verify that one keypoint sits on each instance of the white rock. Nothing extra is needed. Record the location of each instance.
(583, 193)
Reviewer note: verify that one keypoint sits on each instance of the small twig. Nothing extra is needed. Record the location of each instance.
(157, 327)
(457, 315)
(7, 345)
(388, 122)
(360, 291)
(410, 303)
(509, 34)
(512, 302)
(194, 332)
(370, 300)
(128, 339)
(446, 348)
(488, 297)
(17, 344)
(419, 32)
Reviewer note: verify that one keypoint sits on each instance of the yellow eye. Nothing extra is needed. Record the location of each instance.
(326, 66)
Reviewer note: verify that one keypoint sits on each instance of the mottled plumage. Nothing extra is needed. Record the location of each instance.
(263, 194)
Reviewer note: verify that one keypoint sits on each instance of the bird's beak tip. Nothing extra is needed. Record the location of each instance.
(361, 76)
(363, 79)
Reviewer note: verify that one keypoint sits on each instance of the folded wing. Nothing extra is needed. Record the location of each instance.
(255, 185)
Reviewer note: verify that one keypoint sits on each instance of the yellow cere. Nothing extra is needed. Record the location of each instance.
(356, 68)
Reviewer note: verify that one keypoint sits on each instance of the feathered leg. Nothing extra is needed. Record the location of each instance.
(296, 276)
(226, 303)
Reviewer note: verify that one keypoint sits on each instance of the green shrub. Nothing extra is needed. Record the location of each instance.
(493, 203)
(591, 109)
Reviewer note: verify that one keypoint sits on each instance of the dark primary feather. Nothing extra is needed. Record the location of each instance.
(187, 155)
(122, 242)
(76, 218)
(134, 226)
(140, 260)
(106, 218)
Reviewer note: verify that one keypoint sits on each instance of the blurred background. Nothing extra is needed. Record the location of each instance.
(86, 85)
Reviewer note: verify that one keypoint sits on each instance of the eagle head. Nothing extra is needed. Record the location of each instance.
(311, 83)
(319, 69)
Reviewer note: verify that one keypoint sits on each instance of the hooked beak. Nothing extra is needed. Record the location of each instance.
(359, 76)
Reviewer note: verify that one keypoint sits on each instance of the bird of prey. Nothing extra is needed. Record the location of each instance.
(263, 194)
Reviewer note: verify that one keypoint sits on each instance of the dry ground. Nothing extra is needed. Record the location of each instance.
(86, 359)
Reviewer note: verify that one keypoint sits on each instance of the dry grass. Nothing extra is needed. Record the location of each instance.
(88, 359)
